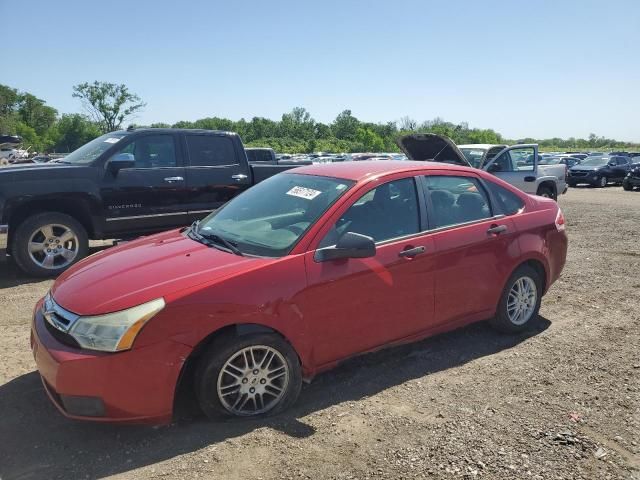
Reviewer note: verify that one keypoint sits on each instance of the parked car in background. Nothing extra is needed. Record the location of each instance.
(559, 160)
(120, 185)
(517, 165)
(297, 274)
(632, 179)
(579, 155)
(599, 170)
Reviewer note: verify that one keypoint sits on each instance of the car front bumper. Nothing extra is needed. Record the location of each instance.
(588, 179)
(135, 386)
(635, 181)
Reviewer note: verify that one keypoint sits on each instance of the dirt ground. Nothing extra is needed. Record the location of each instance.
(559, 401)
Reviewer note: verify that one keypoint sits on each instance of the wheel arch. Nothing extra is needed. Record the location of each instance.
(550, 184)
(184, 385)
(539, 266)
(76, 208)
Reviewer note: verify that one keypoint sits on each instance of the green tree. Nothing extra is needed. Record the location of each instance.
(36, 114)
(368, 140)
(73, 131)
(9, 99)
(345, 126)
(108, 104)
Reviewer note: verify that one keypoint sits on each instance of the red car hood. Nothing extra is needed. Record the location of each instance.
(143, 270)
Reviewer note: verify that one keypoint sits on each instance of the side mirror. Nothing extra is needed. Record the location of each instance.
(494, 167)
(350, 245)
(612, 164)
(120, 161)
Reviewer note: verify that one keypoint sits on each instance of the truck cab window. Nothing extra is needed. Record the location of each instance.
(210, 151)
(153, 151)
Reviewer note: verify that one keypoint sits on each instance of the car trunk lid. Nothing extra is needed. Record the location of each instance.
(433, 147)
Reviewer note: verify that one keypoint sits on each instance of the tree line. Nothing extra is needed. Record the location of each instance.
(109, 106)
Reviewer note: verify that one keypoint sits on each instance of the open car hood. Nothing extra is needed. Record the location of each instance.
(429, 146)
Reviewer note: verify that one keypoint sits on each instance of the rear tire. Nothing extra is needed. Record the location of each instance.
(547, 193)
(248, 376)
(627, 186)
(48, 243)
(520, 301)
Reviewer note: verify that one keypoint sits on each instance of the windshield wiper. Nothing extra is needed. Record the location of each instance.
(221, 240)
(213, 238)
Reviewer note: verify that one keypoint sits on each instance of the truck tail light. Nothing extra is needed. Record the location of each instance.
(560, 221)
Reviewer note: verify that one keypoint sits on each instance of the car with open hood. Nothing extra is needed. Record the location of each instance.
(296, 274)
(518, 165)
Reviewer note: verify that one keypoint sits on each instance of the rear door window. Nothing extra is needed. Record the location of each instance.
(210, 151)
(456, 200)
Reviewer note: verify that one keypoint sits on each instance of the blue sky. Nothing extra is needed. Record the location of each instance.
(524, 68)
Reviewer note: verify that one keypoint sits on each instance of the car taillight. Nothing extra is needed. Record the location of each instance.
(560, 222)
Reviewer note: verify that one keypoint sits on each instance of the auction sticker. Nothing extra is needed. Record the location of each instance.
(112, 140)
(303, 192)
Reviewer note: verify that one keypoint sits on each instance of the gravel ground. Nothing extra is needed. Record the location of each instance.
(559, 401)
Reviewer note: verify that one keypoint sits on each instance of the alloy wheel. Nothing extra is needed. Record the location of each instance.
(53, 246)
(603, 181)
(253, 380)
(522, 300)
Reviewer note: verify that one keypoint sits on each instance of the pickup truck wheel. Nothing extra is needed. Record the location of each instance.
(520, 301)
(248, 376)
(627, 186)
(603, 182)
(46, 244)
(547, 193)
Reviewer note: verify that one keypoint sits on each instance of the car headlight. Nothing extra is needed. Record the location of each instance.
(116, 331)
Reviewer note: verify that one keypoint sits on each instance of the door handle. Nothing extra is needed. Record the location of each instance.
(173, 179)
(529, 179)
(497, 229)
(411, 252)
(239, 177)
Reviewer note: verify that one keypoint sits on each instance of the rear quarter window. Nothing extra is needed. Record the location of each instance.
(508, 202)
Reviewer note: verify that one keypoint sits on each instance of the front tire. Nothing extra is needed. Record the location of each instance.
(248, 376)
(48, 243)
(603, 182)
(520, 301)
(627, 186)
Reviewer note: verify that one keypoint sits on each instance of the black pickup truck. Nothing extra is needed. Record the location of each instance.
(120, 185)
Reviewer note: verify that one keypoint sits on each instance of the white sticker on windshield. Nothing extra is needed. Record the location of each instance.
(112, 140)
(303, 192)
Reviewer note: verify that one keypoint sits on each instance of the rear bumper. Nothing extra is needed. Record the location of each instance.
(136, 386)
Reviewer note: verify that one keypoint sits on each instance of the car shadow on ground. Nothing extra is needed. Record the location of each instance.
(12, 276)
(37, 442)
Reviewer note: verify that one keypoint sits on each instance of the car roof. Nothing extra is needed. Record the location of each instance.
(366, 169)
(173, 130)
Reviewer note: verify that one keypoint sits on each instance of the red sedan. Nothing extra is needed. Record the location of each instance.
(300, 272)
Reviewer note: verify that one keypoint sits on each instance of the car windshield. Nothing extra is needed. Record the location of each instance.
(92, 150)
(269, 218)
(474, 156)
(594, 161)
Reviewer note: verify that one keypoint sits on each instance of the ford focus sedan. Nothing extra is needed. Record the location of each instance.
(295, 275)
